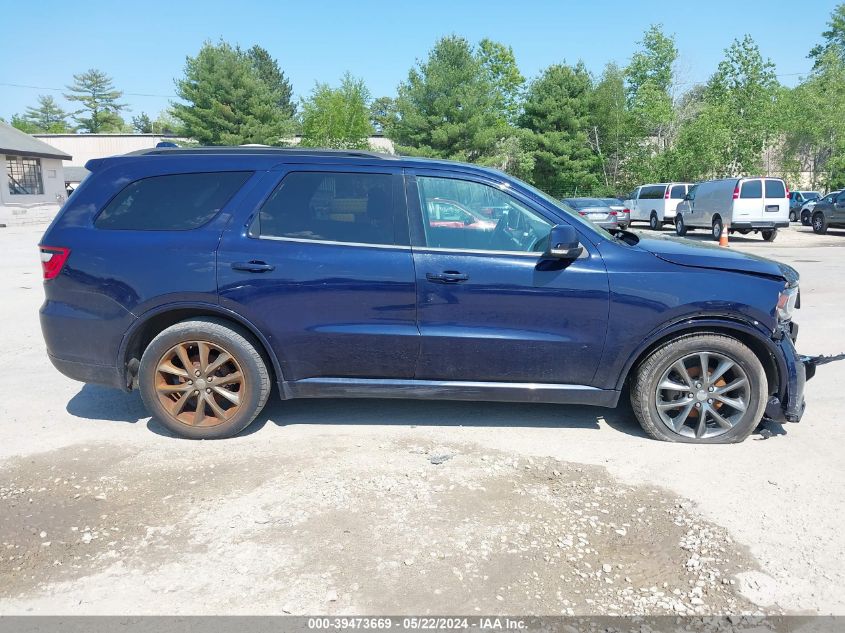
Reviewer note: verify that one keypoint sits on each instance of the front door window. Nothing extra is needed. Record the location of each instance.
(466, 215)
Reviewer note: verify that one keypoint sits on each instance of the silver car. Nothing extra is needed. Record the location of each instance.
(623, 213)
(595, 211)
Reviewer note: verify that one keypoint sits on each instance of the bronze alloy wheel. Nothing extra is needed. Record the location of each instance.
(199, 384)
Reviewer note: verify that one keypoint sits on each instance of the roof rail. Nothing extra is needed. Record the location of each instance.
(261, 150)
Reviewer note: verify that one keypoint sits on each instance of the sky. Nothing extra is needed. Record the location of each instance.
(143, 45)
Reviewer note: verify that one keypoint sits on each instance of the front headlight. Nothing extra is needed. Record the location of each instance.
(787, 302)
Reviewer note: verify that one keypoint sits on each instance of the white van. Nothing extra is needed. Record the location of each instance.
(741, 204)
(656, 203)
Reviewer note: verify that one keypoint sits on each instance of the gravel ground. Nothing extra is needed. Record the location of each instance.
(368, 506)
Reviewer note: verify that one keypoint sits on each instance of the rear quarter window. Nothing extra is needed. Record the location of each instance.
(752, 189)
(175, 202)
(775, 189)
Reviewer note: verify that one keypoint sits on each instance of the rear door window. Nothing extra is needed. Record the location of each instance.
(678, 192)
(775, 188)
(331, 206)
(176, 202)
(752, 189)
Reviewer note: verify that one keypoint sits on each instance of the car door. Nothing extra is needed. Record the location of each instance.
(490, 308)
(838, 214)
(321, 263)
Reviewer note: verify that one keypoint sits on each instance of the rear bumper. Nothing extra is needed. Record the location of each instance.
(86, 372)
(755, 224)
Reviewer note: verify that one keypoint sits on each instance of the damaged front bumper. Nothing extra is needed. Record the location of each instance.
(796, 369)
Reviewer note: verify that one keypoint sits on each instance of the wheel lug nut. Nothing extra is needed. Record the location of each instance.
(190, 382)
(208, 390)
(710, 389)
(197, 373)
(196, 392)
(698, 385)
(689, 395)
(709, 400)
(697, 405)
(210, 378)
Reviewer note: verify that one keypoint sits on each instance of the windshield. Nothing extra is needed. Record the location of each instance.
(616, 202)
(811, 195)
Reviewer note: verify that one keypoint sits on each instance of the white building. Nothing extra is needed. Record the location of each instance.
(32, 185)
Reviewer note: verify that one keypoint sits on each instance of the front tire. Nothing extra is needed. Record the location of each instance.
(819, 224)
(680, 226)
(793, 216)
(701, 388)
(653, 223)
(204, 379)
(769, 235)
(805, 218)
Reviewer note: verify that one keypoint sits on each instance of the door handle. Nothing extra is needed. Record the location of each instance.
(253, 267)
(447, 277)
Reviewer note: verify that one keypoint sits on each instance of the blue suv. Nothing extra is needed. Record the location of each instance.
(203, 277)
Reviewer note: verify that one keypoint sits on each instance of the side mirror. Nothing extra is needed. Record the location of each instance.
(563, 242)
(687, 198)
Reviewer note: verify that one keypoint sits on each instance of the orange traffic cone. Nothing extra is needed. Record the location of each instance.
(723, 238)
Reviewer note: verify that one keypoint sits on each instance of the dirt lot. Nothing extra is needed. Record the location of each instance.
(367, 506)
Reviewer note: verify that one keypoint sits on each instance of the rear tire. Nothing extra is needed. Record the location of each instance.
(680, 227)
(717, 228)
(204, 379)
(769, 235)
(729, 415)
(819, 224)
(653, 223)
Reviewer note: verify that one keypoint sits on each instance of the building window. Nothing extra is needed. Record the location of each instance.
(24, 175)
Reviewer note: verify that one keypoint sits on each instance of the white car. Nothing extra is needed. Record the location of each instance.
(656, 203)
(740, 204)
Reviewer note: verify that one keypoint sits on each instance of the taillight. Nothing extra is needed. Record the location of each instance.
(785, 186)
(736, 191)
(626, 210)
(581, 213)
(613, 213)
(52, 260)
(666, 195)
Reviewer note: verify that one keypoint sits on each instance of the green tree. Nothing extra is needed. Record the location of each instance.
(557, 113)
(271, 74)
(99, 101)
(834, 37)
(47, 117)
(227, 101)
(24, 125)
(499, 66)
(142, 124)
(447, 107)
(650, 80)
(337, 117)
(611, 126)
(383, 113)
(741, 98)
(814, 124)
(165, 123)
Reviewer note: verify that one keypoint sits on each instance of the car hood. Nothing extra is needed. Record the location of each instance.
(689, 253)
